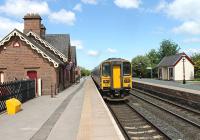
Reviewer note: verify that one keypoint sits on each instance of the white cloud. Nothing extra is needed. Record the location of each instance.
(78, 7)
(90, 1)
(63, 16)
(161, 6)
(187, 11)
(8, 25)
(179, 9)
(21, 7)
(127, 4)
(190, 27)
(93, 53)
(184, 9)
(191, 40)
(192, 51)
(110, 50)
(78, 44)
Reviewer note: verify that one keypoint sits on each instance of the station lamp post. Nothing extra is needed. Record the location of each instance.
(140, 69)
(184, 69)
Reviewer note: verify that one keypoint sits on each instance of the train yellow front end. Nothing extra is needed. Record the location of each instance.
(114, 78)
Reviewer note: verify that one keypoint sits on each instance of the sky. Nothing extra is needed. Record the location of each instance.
(111, 28)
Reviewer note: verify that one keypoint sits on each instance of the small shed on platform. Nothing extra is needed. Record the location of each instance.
(176, 67)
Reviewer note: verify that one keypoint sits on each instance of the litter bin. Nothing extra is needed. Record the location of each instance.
(13, 106)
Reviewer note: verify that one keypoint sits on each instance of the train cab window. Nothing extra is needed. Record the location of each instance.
(126, 68)
(106, 69)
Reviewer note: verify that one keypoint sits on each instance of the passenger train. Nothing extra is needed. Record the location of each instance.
(114, 78)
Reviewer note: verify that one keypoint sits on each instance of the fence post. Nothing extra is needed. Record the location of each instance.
(55, 89)
(51, 91)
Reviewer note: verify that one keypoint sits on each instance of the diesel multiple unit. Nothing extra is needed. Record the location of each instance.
(114, 78)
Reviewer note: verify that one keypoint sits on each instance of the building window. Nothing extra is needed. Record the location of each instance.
(1, 77)
(171, 74)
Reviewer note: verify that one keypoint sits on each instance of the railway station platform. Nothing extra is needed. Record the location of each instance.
(78, 113)
(190, 85)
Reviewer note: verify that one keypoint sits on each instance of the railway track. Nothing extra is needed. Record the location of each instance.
(133, 124)
(185, 120)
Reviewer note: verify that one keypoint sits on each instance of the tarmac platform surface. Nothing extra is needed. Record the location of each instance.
(191, 87)
(77, 113)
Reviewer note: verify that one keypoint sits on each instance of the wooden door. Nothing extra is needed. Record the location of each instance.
(33, 76)
(116, 77)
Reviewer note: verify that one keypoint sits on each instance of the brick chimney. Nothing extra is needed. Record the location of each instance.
(32, 22)
(43, 31)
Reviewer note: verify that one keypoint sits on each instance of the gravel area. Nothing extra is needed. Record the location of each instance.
(176, 127)
(134, 125)
(185, 113)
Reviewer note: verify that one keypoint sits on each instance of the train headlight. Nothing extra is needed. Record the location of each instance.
(106, 81)
(127, 80)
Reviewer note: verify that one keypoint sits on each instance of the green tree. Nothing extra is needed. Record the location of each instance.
(168, 48)
(153, 56)
(85, 72)
(154, 59)
(196, 59)
(140, 63)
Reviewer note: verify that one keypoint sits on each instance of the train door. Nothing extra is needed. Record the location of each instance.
(116, 76)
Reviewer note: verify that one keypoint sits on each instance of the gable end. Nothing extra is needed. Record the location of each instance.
(15, 32)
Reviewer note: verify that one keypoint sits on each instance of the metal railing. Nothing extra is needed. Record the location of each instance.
(22, 90)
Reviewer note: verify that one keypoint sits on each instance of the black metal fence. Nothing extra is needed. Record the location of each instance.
(21, 90)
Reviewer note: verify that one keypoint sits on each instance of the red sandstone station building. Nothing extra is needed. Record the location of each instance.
(36, 55)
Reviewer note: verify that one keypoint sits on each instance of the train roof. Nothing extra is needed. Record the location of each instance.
(115, 59)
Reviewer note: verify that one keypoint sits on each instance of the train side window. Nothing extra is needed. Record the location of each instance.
(126, 68)
(106, 69)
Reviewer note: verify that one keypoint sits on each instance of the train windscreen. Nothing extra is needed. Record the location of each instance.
(126, 68)
(106, 69)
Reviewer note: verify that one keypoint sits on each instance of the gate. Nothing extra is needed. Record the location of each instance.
(21, 90)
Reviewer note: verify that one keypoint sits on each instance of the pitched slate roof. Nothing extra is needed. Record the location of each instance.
(44, 50)
(47, 46)
(172, 60)
(60, 41)
(33, 45)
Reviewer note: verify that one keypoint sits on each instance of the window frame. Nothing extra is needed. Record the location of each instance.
(102, 70)
(127, 74)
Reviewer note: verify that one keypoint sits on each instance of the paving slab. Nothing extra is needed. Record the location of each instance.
(67, 126)
(77, 113)
(35, 113)
(96, 120)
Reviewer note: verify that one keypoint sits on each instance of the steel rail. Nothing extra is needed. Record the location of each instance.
(175, 114)
(153, 125)
(143, 117)
(167, 101)
(118, 122)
